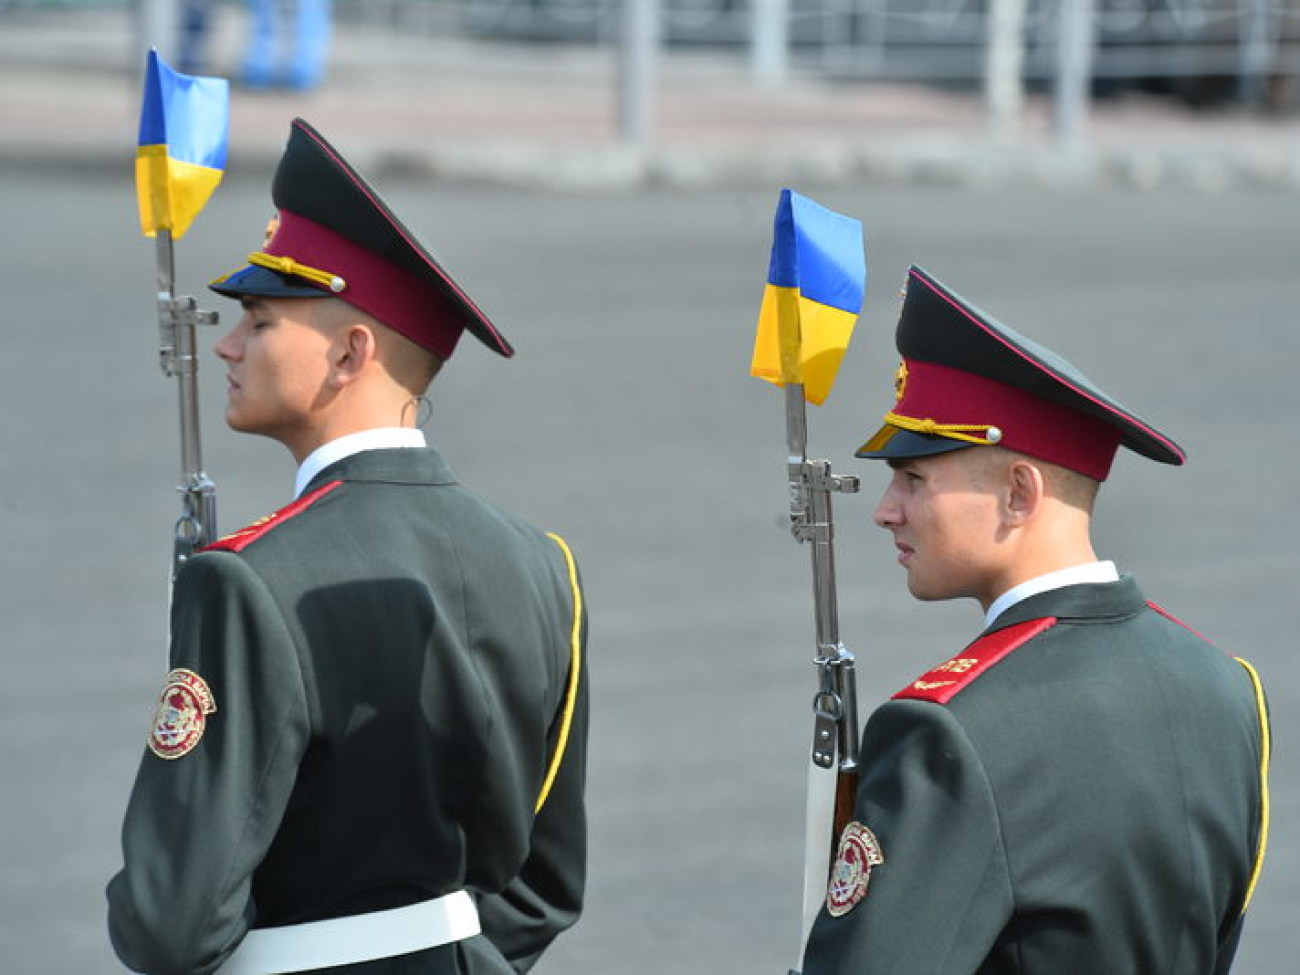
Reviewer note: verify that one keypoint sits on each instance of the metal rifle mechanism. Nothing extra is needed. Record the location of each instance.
(835, 705)
(178, 319)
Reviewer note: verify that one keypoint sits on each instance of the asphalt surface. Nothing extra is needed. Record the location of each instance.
(629, 424)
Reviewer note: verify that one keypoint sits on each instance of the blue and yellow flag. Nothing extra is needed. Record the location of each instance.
(184, 125)
(815, 284)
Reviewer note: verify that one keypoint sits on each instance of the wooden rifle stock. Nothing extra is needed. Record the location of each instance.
(846, 792)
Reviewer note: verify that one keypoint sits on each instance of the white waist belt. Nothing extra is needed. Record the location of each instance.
(361, 937)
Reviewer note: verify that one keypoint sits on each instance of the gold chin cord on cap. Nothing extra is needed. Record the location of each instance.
(287, 265)
(988, 436)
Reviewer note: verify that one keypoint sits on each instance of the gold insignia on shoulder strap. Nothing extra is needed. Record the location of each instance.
(929, 685)
(941, 684)
(239, 540)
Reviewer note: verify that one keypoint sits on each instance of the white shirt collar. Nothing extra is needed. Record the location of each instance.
(334, 451)
(1075, 574)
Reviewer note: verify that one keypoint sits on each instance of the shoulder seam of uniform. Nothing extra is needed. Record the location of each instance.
(1157, 608)
(237, 541)
(942, 683)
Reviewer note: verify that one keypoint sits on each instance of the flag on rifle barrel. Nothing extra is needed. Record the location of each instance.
(815, 283)
(184, 124)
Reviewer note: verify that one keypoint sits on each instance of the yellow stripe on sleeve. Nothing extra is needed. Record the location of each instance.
(575, 666)
(1265, 753)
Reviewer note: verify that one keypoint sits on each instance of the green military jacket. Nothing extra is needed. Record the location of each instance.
(372, 692)
(1080, 791)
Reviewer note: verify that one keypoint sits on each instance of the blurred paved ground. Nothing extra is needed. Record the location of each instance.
(543, 114)
(628, 423)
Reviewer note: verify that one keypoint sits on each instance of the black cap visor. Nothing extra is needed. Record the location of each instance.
(893, 443)
(265, 283)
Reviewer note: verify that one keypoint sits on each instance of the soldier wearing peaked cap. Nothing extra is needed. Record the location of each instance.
(368, 755)
(1082, 789)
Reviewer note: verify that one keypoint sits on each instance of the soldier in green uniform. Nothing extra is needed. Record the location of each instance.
(1082, 790)
(369, 753)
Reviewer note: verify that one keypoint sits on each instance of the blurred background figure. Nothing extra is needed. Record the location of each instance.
(194, 20)
(288, 44)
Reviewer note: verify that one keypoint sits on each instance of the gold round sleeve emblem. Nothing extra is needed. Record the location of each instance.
(181, 715)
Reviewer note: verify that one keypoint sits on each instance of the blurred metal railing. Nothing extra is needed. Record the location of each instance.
(886, 39)
(946, 39)
(1244, 50)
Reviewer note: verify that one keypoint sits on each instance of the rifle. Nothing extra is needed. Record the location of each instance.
(181, 155)
(835, 704)
(816, 283)
(178, 319)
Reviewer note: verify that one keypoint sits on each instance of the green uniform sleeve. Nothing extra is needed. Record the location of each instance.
(199, 822)
(937, 903)
(546, 896)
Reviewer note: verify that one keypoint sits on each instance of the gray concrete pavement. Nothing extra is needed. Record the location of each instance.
(546, 115)
(628, 423)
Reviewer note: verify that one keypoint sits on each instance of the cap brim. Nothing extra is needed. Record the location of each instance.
(890, 442)
(265, 283)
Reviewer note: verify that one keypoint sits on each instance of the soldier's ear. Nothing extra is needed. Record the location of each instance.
(1026, 488)
(355, 347)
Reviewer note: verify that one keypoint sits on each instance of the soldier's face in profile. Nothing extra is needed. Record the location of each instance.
(277, 361)
(943, 512)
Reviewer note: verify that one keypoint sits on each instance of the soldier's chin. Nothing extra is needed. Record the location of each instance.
(238, 423)
(926, 593)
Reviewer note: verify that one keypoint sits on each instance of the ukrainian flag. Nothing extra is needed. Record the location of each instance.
(815, 284)
(184, 124)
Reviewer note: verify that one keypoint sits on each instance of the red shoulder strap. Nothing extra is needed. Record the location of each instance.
(941, 684)
(240, 540)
